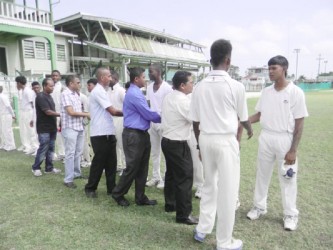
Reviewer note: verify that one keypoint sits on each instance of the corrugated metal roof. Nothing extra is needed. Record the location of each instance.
(137, 46)
(159, 53)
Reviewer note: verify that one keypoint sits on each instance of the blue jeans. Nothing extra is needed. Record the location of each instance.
(45, 151)
(73, 141)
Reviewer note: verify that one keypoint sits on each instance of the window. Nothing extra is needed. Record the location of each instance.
(28, 49)
(61, 53)
(40, 50)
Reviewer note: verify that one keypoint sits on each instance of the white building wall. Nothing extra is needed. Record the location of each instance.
(12, 55)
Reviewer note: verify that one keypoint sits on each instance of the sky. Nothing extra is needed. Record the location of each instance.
(257, 29)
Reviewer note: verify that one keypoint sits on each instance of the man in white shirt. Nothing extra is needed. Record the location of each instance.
(156, 92)
(7, 115)
(117, 94)
(217, 103)
(35, 86)
(102, 136)
(56, 94)
(176, 131)
(281, 110)
(27, 133)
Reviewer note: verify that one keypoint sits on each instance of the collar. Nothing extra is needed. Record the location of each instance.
(218, 73)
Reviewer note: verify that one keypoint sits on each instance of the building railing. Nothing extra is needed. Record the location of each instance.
(26, 14)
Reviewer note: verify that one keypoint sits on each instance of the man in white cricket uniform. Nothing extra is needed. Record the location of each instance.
(27, 133)
(281, 110)
(56, 95)
(7, 115)
(156, 92)
(217, 103)
(117, 94)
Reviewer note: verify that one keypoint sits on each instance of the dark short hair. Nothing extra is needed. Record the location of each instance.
(135, 72)
(44, 82)
(70, 78)
(219, 50)
(180, 77)
(127, 85)
(34, 83)
(92, 80)
(21, 79)
(55, 71)
(279, 60)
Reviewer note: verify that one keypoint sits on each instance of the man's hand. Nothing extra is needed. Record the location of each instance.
(290, 158)
(249, 133)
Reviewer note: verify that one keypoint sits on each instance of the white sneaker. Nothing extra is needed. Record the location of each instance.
(200, 237)
(290, 222)
(53, 171)
(234, 245)
(255, 213)
(152, 183)
(29, 151)
(198, 193)
(237, 204)
(20, 148)
(85, 164)
(160, 184)
(37, 172)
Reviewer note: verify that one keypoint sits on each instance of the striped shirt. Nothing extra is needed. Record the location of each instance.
(70, 98)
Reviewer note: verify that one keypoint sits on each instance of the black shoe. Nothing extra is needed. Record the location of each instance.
(147, 202)
(188, 221)
(169, 208)
(81, 177)
(70, 184)
(90, 194)
(121, 201)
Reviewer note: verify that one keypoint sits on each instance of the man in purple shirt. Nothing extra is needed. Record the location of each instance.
(136, 141)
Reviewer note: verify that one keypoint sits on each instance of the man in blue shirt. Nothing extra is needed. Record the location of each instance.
(136, 141)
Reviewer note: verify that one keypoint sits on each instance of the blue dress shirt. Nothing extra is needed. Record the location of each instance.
(137, 114)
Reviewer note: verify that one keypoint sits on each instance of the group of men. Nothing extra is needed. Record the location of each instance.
(216, 111)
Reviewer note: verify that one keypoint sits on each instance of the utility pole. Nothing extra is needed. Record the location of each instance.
(325, 65)
(319, 59)
(296, 51)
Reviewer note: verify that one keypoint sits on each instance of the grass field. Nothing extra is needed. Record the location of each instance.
(40, 213)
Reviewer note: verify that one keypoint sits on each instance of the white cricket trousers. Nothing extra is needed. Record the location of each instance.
(155, 133)
(221, 164)
(119, 125)
(7, 135)
(273, 147)
(60, 148)
(27, 133)
(198, 178)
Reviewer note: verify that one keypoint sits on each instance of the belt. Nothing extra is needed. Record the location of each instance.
(103, 136)
(173, 141)
(137, 130)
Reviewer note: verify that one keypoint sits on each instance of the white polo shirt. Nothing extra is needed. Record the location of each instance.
(117, 95)
(279, 109)
(27, 100)
(156, 98)
(217, 102)
(176, 124)
(101, 122)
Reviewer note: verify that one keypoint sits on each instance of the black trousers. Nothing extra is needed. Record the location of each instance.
(137, 147)
(178, 177)
(105, 158)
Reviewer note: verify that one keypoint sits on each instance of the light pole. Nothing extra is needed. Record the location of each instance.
(296, 51)
(319, 59)
(325, 65)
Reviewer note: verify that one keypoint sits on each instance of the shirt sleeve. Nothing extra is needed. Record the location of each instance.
(142, 107)
(42, 103)
(66, 100)
(102, 99)
(299, 109)
(184, 109)
(194, 111)
(241, 104)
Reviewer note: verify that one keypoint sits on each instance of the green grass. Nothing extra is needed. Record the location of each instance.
(40, 213)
